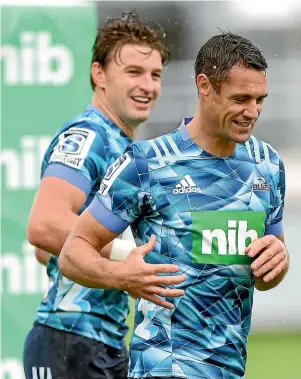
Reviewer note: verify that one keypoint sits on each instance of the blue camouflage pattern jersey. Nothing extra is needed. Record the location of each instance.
(80, 154)
(204, 211)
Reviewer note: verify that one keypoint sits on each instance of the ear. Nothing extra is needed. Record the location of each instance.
(98, 74)
(203, 84)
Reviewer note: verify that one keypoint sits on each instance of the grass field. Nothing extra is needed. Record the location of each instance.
(274, 355)
(271, 355)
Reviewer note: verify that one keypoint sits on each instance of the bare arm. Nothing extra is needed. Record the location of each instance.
(81, 262)
(53, 214)
(42, 256)
(271, 263)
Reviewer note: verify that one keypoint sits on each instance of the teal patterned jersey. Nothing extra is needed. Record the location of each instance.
(204, 211)
(80, 154)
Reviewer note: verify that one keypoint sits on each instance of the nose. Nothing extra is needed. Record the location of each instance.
(147, 84)
(252, 110)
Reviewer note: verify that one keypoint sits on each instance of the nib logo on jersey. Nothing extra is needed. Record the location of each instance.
(260, 184)
(221, 237)
(186, 185)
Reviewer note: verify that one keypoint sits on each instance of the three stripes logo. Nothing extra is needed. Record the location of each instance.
(186, 185)
(41, 373)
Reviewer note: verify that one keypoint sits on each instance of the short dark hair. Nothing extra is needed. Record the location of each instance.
(129, 28)
(221, 52)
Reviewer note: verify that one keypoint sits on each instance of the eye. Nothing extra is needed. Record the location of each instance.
(240, 100)
(157, 75)
(260, 101)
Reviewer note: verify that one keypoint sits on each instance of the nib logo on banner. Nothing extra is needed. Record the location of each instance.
(38, 60)
(186, 185)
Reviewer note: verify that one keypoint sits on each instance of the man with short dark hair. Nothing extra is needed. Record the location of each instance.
(208, 197)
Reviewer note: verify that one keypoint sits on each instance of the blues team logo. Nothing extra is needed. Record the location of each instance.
(73, 147)
(261, 184)
(73, 142)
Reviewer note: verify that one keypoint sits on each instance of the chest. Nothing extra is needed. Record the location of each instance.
(211, 185)
(215, 210)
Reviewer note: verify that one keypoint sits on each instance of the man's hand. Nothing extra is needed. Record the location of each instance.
(140, 279)
(81, 260)
(271, 261)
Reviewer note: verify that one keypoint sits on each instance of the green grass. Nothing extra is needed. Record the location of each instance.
(274, 355)
(271, 355)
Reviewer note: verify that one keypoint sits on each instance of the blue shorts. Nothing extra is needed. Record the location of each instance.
(55, 354)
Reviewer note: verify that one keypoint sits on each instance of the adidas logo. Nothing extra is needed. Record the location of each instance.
(186, 185)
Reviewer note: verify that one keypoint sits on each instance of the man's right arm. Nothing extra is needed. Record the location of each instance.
(81, 261)
(42, 256)
(65, 187)
(53, 214)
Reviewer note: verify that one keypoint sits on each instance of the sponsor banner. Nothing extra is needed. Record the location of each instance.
(45, 69)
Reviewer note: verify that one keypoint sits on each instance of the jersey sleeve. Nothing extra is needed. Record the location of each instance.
(124, 193)
(77, 156)
(274, 223)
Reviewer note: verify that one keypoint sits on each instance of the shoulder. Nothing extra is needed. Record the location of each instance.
(159, 151)
(90, 121)
(78, 141)
(261, 151)
(80, 133)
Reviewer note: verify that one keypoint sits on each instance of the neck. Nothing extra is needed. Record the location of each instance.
(100, 102)
(202, 133)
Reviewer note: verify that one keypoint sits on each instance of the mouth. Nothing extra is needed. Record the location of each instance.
(244, 123)
(141, 99)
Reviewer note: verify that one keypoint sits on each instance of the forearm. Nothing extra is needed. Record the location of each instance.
(51, 237)
(52, 233)
(105, 252)
(42, 256)
(80, 262)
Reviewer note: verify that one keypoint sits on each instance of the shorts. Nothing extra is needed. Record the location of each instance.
(55, 354)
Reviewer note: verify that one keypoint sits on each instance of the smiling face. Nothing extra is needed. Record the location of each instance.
(234, 110)
(131, 83)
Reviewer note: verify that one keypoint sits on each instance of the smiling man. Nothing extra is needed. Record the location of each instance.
(79, 332)
(213, 196)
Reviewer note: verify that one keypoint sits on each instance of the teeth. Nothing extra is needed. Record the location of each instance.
(242, 123)
(142, 99)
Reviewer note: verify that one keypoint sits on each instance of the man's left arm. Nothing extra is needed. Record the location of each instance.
(271, 261)
(271, 256)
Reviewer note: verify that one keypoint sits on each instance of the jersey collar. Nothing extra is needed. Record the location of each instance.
(184, 133)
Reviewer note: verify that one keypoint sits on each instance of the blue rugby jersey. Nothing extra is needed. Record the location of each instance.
(80, 153)
(204, 211)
